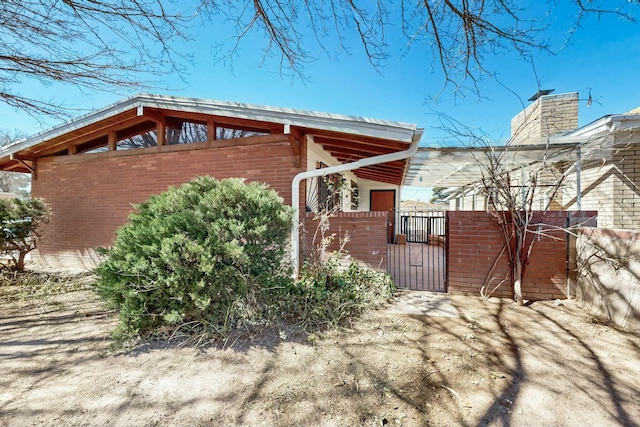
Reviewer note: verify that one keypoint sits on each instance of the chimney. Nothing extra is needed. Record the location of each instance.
(547, 115)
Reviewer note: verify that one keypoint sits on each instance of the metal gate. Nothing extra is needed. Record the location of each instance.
(416, 250)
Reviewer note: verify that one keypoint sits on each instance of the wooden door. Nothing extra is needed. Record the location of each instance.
(385, 200)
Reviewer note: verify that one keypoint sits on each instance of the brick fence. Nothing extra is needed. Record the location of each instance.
(475, 259)
(367, 233)
(609, 274)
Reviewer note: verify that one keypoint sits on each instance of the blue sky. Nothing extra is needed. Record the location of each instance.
(603, 57)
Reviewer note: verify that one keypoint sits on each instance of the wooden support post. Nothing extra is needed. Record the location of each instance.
(112, 141)
(23, 161)
(161, 131)
(211, 131)
(73, 149)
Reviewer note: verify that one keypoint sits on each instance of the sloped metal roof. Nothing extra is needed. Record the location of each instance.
(348, 138)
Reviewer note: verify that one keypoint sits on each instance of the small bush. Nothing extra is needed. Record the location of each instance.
(325, 294)
(197, 253)
(20, 220)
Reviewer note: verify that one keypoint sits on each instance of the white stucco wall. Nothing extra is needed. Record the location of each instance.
(365, 187)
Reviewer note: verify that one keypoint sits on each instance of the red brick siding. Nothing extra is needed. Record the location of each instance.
(367, 236)
(92, 195)
(475, 241)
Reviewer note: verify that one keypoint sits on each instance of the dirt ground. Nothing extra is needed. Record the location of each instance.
(497, 365)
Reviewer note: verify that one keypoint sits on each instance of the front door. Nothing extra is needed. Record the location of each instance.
(385, 200)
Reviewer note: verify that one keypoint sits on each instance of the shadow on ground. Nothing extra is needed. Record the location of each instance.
(497, 364)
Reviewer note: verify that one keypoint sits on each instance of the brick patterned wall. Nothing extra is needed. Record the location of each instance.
(610, 184)
(475, 241)
(625, 207)
(367, 236)
(597, 183)
(92, 195)
(547, 115)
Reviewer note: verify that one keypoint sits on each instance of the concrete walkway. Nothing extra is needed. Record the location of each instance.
(423, 303)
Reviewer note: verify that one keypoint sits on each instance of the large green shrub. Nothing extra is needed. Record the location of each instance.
(20, 221)
(195, 253)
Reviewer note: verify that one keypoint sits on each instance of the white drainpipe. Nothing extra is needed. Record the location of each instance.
(295, 189)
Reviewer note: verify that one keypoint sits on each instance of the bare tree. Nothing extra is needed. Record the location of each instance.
(518, 191)
(457, 35)
(87, 43)
(515, 201)
(98, 44)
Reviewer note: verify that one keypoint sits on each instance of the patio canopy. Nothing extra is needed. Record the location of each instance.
(456, 168)
(460, 168)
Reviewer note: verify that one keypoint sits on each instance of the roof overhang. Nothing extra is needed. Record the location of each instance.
(348, 138)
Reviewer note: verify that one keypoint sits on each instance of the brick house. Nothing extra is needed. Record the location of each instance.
(93, 169)
(599, 162)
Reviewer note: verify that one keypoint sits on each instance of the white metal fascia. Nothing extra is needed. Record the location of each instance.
(606, 125)
(397, 131)
(626, 122)
(597, 127)
(70, 126)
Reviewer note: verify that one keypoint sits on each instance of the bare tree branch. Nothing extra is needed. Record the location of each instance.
(111, 44)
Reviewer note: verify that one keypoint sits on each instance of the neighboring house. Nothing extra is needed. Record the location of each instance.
(94, 169)
(599, 163)
(605, 172)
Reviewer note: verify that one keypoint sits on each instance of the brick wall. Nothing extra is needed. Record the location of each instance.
(609, 183)
(625, 207)
(92, 194)
(367, 233)
(476, 241)
(610, 289)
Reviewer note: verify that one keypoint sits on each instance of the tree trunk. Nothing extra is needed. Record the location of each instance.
(517, 281)
(19, 262)
(517, 269)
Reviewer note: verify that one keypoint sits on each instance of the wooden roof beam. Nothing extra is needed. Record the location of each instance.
(21, 160)
(61, 144)
(221, 121)
(394, 180)
(366, 151)
(388, 174)
(295, 140)
(326, 137)
(398, 164)
(15, 166)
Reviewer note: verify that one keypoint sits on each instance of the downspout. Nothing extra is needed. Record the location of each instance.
(295, 188)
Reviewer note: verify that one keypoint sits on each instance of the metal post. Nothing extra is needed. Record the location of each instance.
(578, 178)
